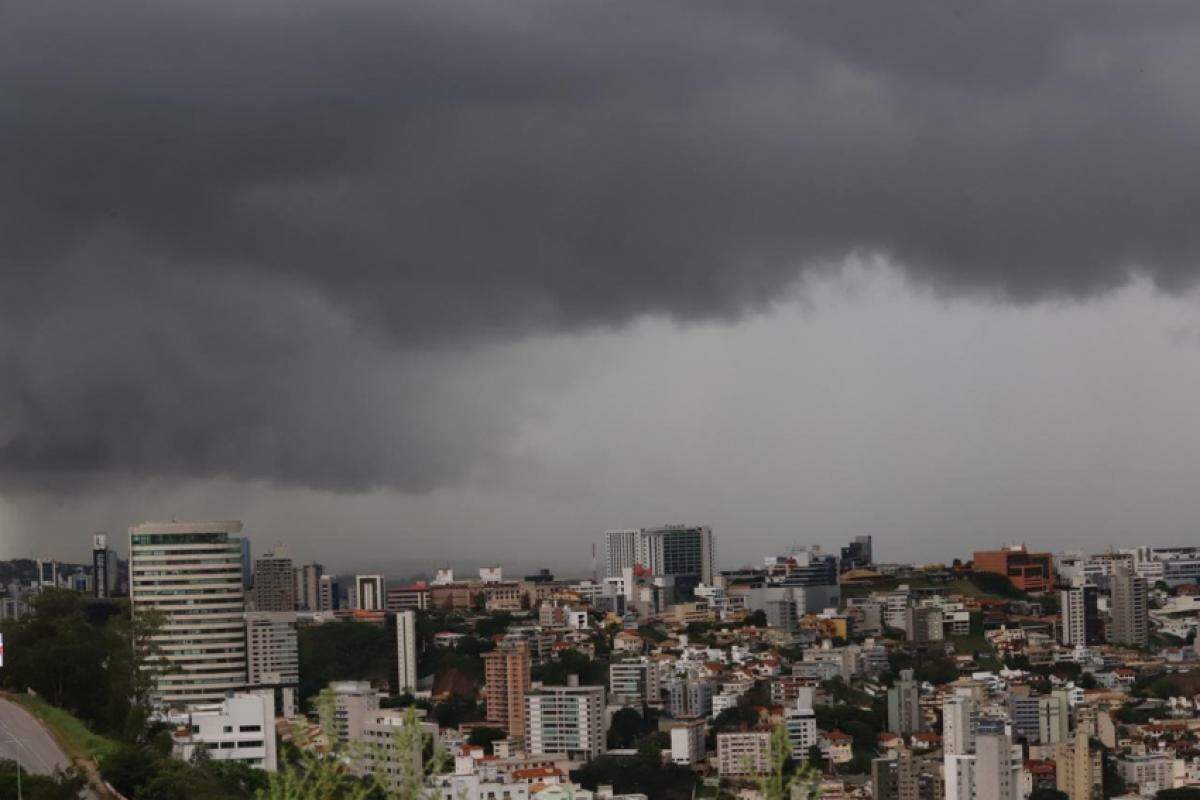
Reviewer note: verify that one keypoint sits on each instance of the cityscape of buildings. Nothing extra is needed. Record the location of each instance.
(993, 677)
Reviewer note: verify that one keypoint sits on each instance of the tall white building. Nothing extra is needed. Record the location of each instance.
(800, 720)
(369, 592)
(958, 725)
(192, 574)
(565, 719)
(993, 772)
(406, 651)
(621, 546)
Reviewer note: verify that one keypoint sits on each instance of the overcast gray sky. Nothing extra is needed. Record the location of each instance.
(404, 284)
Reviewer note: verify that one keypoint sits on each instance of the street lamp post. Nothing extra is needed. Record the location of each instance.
(17, 761)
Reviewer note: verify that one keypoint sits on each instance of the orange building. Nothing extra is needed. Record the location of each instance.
(1029, 572)
(506, 676)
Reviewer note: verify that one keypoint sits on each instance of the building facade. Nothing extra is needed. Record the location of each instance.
(188, 575)
(506, 680)
(274, 582)
(565, 719)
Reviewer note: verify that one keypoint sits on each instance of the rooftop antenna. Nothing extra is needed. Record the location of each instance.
(594, 563)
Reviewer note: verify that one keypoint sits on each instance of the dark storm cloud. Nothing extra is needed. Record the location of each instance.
(240, 238)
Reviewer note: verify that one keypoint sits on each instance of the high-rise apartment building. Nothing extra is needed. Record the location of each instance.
(622, 550)
(634, 682)
(369, 592)
(105, 570)
(1081, 623)
(565, 719)
(1130, 609)
(1079, 768)
(800, 722)
(1054, 718)
(506, 680)
(405, 632)
(190, 573)
(274, 582)
(328, 593)
(273, 656)
(896, 777)
(958, 724)
(683, 552)
(904, 705)
(308, 587)
(997, 768)
(993, 772)
(923, 625)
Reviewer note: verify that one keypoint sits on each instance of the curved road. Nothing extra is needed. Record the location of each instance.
(23, 739)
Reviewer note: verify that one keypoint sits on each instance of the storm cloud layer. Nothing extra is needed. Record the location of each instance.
(281, 239)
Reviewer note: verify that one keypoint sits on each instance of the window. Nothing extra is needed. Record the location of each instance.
(249, 728)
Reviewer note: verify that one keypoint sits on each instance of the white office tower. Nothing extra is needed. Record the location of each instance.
(273, 656)
(104, 567)
(565, 719)
(992, 773)
(191, 574)
(958, 724)
(369, 592)
(800, 721)
(622, 546)
(239, 728)
(406, 651)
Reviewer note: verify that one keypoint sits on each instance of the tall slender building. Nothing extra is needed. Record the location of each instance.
(328, 593)
(904, 705)
(1130, 608)
(274, 583)
(190, 575)
(1081, 623)
(406, 651)
(308, 587)
(958, 724)
(621, 547)
(506, 677)
(104, 567)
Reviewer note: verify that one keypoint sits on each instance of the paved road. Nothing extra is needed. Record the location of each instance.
(23, 739)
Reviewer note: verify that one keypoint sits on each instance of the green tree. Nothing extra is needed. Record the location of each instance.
(60, 786)
(624, 729)
(342, 650)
